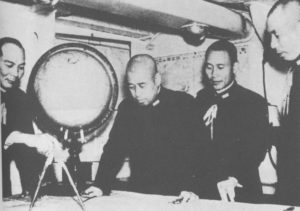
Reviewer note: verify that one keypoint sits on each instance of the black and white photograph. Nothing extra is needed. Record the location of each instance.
(150, 105)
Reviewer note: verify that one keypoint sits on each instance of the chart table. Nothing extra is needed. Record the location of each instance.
(130, 201)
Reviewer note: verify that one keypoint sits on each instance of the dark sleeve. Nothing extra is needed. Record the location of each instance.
(194, 147)
(114, 152)
(254, 135)
(19, 114)
(203, 180)
(24, 115)
(190, 144)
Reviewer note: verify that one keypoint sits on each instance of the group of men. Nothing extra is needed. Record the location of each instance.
(209, 147)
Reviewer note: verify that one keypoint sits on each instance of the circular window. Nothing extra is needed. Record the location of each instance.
(74, 87)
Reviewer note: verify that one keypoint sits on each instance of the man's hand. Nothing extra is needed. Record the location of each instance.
(226, 189)
(92, 192)
(184, 197)
(61, 155)
(44, 143)
(13, 138)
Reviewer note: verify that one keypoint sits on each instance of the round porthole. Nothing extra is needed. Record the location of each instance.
(74, 88)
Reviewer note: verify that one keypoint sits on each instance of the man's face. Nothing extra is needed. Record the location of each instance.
(143, 86)
(284, 30)
(219, 69)
(12, 64)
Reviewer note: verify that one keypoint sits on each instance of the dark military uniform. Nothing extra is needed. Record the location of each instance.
(159, 140)
(238, 134)
(17, 116)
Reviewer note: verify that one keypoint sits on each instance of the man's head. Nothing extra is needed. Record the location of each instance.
(12, 62)
(283, 26)
(143, 79)
(220, 64)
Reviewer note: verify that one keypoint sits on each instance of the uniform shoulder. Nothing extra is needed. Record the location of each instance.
(17, 97)
(125, 104)
(17, 93)
(203, 94)
(176, 96)
(20, 105)
(250, 95)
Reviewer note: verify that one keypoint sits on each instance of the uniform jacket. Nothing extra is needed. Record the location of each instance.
(18, 116)
(239, 139)
(289, 148)
(159, 140)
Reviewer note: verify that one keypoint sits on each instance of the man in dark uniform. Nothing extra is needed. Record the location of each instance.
(283, 26)
(236, 120)
(155, 128)
(17, 137)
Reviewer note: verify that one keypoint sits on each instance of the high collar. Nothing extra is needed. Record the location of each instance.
(225, 92)
(298, 61)
(156, 100)
(5, 95)
(2, 90)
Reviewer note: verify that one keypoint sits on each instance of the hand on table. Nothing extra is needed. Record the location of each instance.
(184, 197)
(227, 187)
(92, 192)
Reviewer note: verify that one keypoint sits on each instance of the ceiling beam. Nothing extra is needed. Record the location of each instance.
(171, 13)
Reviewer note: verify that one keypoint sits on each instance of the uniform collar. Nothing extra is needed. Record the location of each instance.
(157, 99)
(155, 102)
(4, 95)
(225, 92)
(2, 90)
(298, 62)
(296, 66)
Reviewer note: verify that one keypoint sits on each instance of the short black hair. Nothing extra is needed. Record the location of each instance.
(11, 40)
(223, 45)
(282, 3)
(144, 59)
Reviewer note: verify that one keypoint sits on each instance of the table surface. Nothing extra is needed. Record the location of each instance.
(122, 200)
